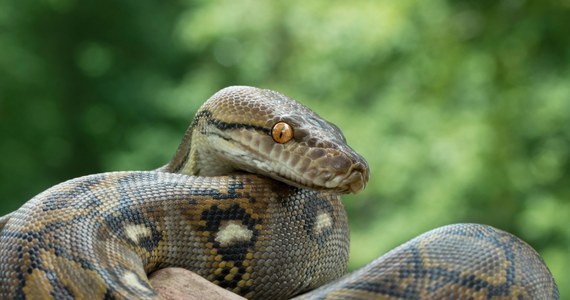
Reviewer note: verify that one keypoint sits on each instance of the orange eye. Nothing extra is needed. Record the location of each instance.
(282, 132)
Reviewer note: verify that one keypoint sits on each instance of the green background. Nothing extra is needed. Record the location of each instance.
(462, 108)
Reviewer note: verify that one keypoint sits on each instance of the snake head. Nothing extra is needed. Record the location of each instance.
(264, 132)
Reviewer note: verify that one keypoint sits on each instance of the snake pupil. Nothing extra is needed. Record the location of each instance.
(282, 132)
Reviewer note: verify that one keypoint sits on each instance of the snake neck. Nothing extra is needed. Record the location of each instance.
(181, 162)
(193, 157)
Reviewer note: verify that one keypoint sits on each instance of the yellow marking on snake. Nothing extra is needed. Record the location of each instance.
(323, 221)
(137, 231)
(132, 280)
(35, 284)
(232, 232)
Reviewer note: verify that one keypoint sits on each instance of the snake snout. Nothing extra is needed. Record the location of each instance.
(357, 178)
(351, 173)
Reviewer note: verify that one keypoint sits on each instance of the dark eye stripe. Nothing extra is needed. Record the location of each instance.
(232, 126)
(221, 125)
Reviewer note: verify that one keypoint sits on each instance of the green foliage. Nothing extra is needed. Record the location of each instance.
(462, 108)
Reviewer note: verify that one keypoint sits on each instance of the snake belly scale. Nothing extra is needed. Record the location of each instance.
(251, 202)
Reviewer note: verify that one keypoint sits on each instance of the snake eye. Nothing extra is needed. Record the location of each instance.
(282, 132)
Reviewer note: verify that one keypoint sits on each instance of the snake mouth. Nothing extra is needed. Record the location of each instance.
(356, 181)
(353, 183)
(340, 174)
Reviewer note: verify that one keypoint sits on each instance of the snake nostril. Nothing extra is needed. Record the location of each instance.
(358, 178)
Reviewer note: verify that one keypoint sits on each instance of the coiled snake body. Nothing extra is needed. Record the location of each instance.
(250, 202)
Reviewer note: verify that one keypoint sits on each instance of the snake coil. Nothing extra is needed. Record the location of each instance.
(251, 202)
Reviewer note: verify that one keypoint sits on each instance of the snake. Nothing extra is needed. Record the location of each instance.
(251, 202)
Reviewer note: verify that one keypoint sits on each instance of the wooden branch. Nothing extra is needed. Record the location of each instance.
(178, 284)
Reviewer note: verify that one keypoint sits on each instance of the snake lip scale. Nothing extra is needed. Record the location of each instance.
(251, 202)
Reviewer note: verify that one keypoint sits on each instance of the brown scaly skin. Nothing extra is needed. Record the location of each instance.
(121, 226)
(98, 236)
(460, 261)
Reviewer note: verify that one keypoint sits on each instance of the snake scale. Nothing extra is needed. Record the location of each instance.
(251, 202)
